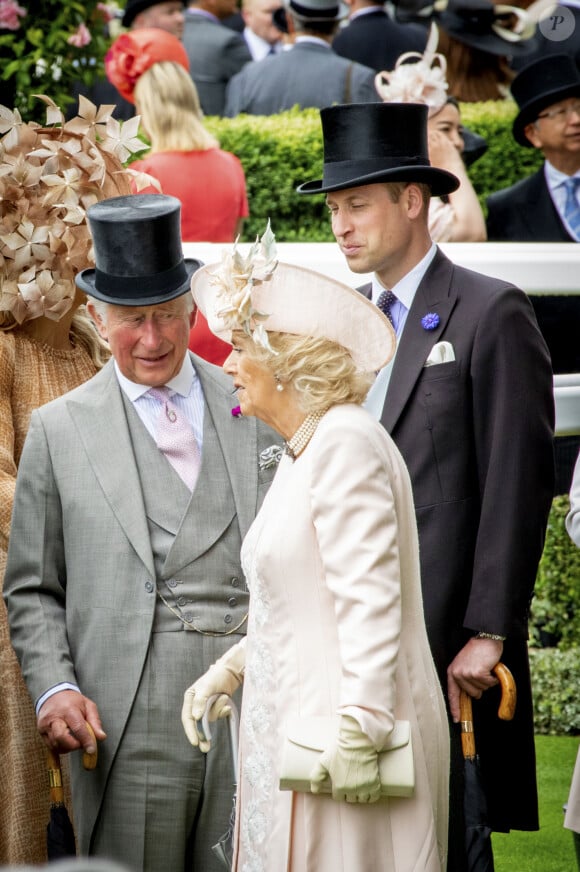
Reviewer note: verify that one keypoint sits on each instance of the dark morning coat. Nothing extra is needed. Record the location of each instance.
(525, 213)
(375, 40)
(476, 434)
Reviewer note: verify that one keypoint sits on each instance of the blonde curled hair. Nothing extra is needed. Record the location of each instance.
(322, 372)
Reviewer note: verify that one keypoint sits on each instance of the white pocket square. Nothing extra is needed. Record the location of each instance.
(442, 352)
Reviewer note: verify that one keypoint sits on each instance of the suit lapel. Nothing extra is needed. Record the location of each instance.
(434, 295)
(238, 441)
(102, 427)
(539, 212)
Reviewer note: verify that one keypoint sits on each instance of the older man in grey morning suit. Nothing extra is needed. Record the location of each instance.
(123, 580)
(309, 74)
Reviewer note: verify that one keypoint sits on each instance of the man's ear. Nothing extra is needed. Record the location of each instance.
(192, 316)
(414, 196)
(97, 320)
(531, 132)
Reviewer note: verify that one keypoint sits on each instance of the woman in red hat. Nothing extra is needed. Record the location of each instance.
(150, 67)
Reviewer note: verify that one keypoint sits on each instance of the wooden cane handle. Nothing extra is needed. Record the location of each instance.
(90, 760)
(507, 706)
(466, 718)
(54, 777)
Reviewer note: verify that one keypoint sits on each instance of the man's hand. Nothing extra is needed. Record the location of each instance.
(471, 671)
(62, 722)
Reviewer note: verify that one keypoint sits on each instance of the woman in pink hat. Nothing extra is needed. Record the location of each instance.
(335, 628)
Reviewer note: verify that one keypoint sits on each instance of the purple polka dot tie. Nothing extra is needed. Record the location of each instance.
(385, 303)
(176, 439)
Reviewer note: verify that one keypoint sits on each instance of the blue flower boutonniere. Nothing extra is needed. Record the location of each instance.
(430, 321)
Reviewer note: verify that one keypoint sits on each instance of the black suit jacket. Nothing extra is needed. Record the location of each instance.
(525, 213)
(376, 41)
(476, 434)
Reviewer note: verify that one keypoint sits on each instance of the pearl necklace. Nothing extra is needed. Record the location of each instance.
(296, 445)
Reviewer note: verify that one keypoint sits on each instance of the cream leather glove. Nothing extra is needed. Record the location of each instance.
(352, 764)
(224, 677)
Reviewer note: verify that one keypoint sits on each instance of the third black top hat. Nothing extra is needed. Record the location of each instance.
(539, 85)
(366, 143)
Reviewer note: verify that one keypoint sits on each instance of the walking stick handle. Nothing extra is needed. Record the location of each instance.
(506, 710)
(507, 706)
(466, 718)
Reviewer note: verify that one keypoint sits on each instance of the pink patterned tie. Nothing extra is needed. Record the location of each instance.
(175, 438)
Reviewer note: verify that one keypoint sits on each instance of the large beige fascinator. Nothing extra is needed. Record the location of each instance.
(259, 295)
(49, 176)
(421, 81)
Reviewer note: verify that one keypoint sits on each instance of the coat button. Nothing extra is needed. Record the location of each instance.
(187, 616)
(232, 602)
(235, 581)
(149, 586)
(228, 619)
(181, 601)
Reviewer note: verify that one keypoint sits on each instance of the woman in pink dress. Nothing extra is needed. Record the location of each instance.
(336, 624)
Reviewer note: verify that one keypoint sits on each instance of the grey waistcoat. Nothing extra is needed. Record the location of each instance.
(195, 538)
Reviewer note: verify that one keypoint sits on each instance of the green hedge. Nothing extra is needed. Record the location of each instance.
(556, 603)
(555, 622)
(555, 676)
(278, 152)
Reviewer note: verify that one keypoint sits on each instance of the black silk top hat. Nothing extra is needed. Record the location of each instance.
(134, 7)
(500, 30)
(365, 143)
(138, 252)
(539, 85)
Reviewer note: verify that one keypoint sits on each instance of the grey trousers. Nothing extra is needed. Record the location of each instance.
(166, 803)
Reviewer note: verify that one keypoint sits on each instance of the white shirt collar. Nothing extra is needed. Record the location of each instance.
(315, 40)
(555, 178)
(180, 384)
(259, 48)
(405, 289)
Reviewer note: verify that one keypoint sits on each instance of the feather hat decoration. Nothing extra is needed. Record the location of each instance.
(49, 176)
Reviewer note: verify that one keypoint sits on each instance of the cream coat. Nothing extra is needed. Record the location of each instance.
(336, 625)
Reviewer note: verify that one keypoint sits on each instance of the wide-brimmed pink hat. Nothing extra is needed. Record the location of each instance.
(133, 53)
(259, 295)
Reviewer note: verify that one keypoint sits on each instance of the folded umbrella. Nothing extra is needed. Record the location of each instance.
(60, 837)
(224, 849)
(477, 830)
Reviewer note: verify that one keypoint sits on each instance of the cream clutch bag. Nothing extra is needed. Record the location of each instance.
(306, 738)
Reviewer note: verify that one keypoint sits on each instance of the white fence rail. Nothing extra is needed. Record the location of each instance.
(539, 268)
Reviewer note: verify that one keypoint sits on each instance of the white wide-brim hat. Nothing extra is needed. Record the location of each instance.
(292, 299)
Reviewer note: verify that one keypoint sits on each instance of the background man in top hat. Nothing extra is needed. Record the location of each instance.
(544, 207)
(121, 583)
(306, 75)
(468, 401)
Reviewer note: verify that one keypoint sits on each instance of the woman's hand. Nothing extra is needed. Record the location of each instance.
(352, 763)
(223, 678)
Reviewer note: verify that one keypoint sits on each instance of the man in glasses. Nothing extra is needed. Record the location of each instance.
(544, 207)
